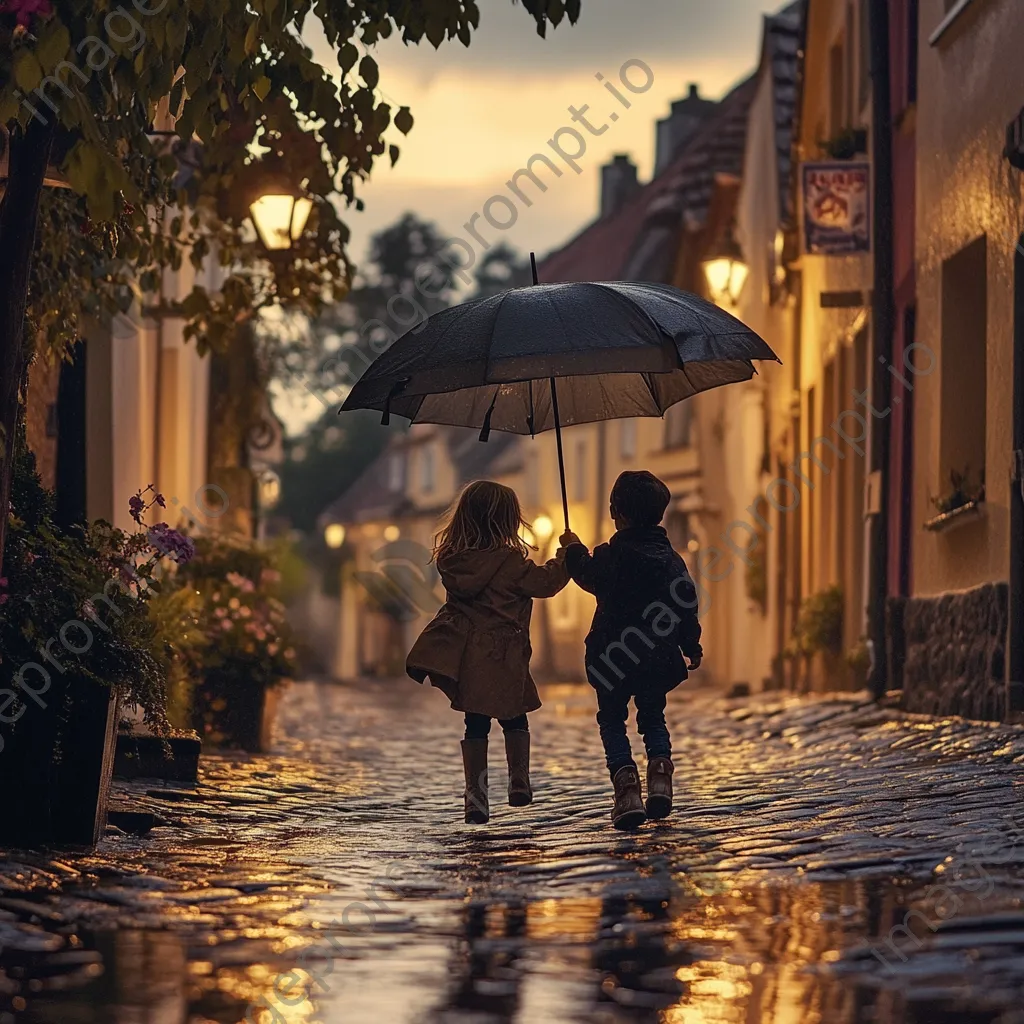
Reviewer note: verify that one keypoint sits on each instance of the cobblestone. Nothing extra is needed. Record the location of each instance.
(828, 861)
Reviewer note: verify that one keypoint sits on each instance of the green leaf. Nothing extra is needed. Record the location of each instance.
(261, 87)
(348, 54)
(54, 44)
(369, 72)
(252, 37)
(403, 120)
(27, 71)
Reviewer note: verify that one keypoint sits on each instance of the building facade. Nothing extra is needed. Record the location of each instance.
(970, 213)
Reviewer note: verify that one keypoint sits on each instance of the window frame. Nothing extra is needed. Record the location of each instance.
(953, 15)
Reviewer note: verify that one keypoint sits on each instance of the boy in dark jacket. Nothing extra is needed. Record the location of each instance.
(646, 621)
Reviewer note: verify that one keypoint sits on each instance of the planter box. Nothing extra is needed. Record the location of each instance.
(144, 756)
(231, 714)
(57, 762)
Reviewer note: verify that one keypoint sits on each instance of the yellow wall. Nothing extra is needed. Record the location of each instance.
(972, 87)
(832, 508)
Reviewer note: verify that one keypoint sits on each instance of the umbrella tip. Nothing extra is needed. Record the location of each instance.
(533, 267)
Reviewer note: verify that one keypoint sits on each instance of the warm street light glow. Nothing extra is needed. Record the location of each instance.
(543, 528)
(280, 219)
(392, 533)
(270, 489)
(334, 535)
(726, 277)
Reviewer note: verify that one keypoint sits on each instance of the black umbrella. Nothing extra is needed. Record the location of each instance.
(540, 358)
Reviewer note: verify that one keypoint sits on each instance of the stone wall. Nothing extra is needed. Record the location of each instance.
(950, 652)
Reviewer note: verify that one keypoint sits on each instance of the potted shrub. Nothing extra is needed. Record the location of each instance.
(76, 642)
(819, 630)
(246, 652)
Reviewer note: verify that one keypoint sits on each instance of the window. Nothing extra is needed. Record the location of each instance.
(953, 10)
(579, 469)
(396, 472)
(679, 425)
(964, 366)
(627, 439)
(427, 469)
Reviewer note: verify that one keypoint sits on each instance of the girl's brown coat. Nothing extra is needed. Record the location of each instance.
(477, 648)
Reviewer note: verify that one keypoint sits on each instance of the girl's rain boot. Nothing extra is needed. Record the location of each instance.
(474, 761)
(517, 753)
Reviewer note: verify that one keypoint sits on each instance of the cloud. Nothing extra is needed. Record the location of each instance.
(481, 112)
(608, 32)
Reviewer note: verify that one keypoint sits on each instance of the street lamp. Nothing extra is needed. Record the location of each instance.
(270, 488)
(543, 528)
(725, 271)
(280, 217)
(334, 536)
(726, 277)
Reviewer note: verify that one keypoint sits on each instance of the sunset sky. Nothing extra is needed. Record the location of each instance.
(480, 112)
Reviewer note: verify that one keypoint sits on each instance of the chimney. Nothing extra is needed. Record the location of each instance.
(676, 130)
(618, 184)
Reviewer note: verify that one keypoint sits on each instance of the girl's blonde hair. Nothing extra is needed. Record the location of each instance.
(486, 517)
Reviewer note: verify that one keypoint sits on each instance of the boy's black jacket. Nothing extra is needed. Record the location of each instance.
(646, 609)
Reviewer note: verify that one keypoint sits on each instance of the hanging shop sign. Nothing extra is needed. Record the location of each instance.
(837, 207)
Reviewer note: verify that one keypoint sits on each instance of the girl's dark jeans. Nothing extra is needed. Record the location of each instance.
(612, 712)
(478, 726)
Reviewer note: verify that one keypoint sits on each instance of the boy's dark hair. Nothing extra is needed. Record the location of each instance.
(640, 498)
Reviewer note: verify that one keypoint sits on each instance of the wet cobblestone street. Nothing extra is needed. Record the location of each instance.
(827, 862)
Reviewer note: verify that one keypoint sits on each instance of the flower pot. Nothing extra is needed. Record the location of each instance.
(235, 713)
(57, 760)
(144, 756)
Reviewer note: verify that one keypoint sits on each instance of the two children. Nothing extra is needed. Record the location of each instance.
(477, 648)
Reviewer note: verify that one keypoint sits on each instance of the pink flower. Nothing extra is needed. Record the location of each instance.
(26, 9)
(225, 625)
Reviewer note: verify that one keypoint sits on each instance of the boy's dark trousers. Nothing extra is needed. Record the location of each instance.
(612, 713)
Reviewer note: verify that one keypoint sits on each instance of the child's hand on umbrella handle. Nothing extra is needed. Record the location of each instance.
(568, 538)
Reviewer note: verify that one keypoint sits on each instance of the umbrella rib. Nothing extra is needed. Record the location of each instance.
(654, 394)
(635, 307)
(494, 324)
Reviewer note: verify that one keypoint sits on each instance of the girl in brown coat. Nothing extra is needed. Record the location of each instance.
(477, 648)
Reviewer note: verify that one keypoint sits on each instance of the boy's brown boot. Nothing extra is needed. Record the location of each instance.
(517, 753)
(474, 761)
(659, 787)
(628, 811)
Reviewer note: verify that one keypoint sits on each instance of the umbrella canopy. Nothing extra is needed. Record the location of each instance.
(617, 349)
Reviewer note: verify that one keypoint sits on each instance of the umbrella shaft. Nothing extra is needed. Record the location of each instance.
(561, 456)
